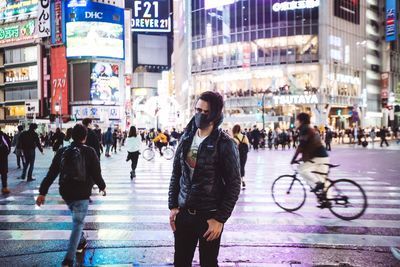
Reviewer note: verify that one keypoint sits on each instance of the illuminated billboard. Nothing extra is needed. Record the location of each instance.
(10, 9)
(150, 15)
(16, 32)
(94, 30)
(104, 82)
(391, 21)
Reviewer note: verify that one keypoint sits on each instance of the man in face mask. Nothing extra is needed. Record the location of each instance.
(205, 184)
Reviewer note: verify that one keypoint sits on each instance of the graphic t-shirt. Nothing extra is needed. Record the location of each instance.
(191, 158)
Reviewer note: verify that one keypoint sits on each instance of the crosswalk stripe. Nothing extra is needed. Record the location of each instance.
(229, 237)
(248, 220)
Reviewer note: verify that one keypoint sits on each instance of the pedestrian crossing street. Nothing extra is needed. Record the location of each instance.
(137, 211)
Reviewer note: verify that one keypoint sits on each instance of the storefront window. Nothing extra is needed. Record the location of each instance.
(18, 94)
(20, 55)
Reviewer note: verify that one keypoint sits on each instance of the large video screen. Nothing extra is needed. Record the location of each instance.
(94, 30)
(152, 50)
(104, 82)
(95, 39)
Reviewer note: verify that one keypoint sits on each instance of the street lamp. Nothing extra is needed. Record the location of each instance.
(263, 109)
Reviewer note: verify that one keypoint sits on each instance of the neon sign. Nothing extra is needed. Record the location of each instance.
(293, 5)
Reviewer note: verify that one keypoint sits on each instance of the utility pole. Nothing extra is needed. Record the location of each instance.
(263, 109)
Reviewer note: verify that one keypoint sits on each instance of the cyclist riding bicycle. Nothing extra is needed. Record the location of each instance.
(160, 141)
(314, 155)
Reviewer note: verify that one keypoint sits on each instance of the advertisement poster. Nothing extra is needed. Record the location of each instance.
(59, 81)
(13, 9)
(104, 82)
(17, 32)
(89, 23)
(391, 21)
(150, 16)
(348, 10)
(44, 18)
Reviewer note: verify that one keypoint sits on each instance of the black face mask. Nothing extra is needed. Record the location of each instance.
(201, 120)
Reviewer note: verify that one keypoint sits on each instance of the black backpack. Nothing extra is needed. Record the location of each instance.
(243, 148)
(73, 165)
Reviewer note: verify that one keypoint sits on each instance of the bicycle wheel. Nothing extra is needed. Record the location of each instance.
(148, 154)
(288, 193)
(347, 200)
(168, 153)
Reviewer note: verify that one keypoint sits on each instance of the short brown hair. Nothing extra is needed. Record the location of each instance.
(236, 129)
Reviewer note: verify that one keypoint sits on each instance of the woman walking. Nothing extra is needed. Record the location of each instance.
(133, 143)
(243, 144)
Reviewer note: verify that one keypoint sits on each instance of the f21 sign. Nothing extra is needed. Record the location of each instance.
(150, 15)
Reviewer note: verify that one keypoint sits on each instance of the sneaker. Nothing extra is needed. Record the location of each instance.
(5, 191)
(395, 252)
(31, 180)
(67, 263)
(318, 187)
(82, 245)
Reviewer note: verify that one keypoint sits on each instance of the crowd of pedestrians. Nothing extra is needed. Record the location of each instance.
(208, 168)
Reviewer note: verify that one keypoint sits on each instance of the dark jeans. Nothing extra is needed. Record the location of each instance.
(114, 147)
(29, 156)
(134, 157)
(328, 146)
(384, 141)
(243, 160)
(4, 169)
(189, 231)
(20, 158)
(160, 146)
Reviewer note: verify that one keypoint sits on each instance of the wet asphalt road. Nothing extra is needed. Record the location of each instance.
(130, 225)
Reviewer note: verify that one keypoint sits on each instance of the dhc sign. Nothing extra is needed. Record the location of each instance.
(93, 15)
(293, 5)
(295, 100)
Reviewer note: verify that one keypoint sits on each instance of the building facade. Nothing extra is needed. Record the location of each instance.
(274, 59)
(23, 62)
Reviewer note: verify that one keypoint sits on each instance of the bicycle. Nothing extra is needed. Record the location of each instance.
(150, 152)
(331, 197)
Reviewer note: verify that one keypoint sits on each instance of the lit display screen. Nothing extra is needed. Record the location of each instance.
(95, 39)
(104, 82)
(94, 30)
(10, 9)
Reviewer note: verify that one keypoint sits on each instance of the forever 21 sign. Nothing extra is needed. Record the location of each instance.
(150, 16)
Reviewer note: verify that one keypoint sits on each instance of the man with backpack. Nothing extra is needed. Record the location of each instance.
(79, 169)
(5, 148)
(205, 184)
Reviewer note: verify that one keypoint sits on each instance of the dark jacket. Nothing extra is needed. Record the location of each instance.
(93, 141)
(108, 138)
(29, 140)
(75, 190)
(57, 139)
(215, 184)
(4, 152)
(310, 144)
